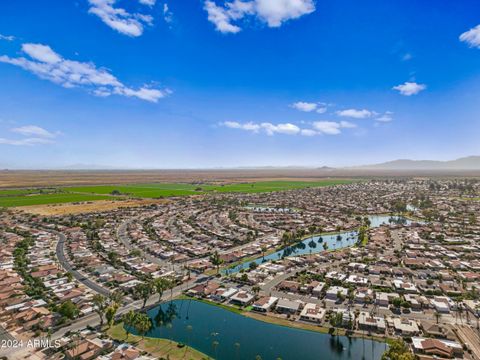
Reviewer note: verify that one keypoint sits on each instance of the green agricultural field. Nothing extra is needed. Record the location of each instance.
(20, 192)
(141, 190)
(169, 189)
(25, 197)
(268, 186)
(42, 199)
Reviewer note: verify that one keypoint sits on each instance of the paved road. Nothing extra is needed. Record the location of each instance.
(60, 250)
(5, 335)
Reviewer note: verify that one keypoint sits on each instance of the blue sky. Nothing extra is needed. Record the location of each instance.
(200, 83)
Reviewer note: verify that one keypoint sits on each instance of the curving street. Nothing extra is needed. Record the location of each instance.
(60, 251)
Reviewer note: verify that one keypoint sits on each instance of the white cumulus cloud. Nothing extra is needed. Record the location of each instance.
(272, 12)
(304, 106)
(147, 2)
(318, 127)
(32, 135)
(49, 65)
(357, 114)
(409, 88)
(130, 24)
(471, 37)
(332, 127)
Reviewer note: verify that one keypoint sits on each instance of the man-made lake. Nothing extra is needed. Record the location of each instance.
(315, 244)
(225, 335)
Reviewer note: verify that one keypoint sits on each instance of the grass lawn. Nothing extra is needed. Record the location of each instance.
(160, 348)
(40, 199)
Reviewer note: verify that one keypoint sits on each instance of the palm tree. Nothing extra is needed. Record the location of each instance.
(477, 310)
(437, 316)
(110, 314)
(256, 289)
(143, 291)
(160, 286)
(171, 285)
(143, 324)
(116, 297)
(99, 306)
(129, 321)
(216, 261)
(264, 249)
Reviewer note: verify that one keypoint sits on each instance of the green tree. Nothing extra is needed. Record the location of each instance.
(110, 314)
(143, 324)
(69, 310)
(144, 291)
(129, 321)
(116, 297)
(99, 306)
(216, 261)
(398, 350)
(160, 285)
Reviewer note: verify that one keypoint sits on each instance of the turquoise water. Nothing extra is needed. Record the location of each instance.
(315, 244)
(216, 331)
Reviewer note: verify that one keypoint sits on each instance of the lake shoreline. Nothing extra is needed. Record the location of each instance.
(288, 323)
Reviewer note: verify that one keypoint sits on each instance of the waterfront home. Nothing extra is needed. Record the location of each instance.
(312, 312)
(265, 303)
(242, 298)
(371, 323)
(223, 294)
(203, 290)
(437, 348)
(287, 306)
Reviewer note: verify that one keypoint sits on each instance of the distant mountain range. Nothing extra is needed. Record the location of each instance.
(465, 163)
(470, 163)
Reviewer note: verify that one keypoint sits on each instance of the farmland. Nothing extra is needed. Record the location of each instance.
(26, 197)
(172, 189)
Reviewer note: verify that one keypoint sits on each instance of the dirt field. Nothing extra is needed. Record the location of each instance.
(9, 179)
(30, 178)
(87, 207)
